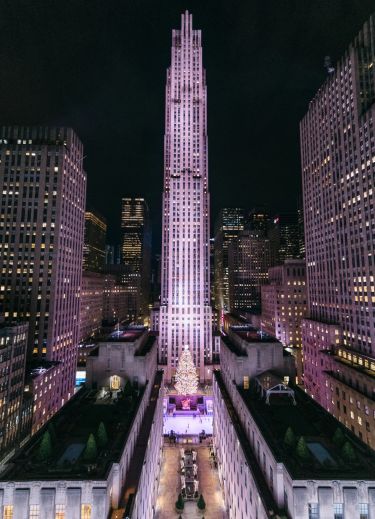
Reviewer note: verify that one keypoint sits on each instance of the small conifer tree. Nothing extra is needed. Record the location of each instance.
(338, 438)
(201, 504)
(180, 503)
(90, 452)
(45, 448)
(348, 453)
(289, 438)
(102, 435)
(302, 450)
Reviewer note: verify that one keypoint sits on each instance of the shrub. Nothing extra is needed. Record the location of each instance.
(52, 433)
(45, 447)
(338, 438)
(289, 438)
(201, 504)
(348, 453)
(90, 451)
(180, 503)
(302, 451)
(102, 435)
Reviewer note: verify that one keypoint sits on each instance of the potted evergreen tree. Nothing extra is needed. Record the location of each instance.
(45, 448)
(201, 503)
(180, 504)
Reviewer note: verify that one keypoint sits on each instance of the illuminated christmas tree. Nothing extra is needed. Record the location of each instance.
(186, 374)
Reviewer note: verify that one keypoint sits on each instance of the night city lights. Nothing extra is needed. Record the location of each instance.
(187, 262)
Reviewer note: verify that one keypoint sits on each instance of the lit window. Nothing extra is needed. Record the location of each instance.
(86, 512)
(34, 512)
(60, 512)
(8, 512)
(313, 511)
(363, 511)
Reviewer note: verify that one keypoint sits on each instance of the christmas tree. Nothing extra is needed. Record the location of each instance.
(186, 374)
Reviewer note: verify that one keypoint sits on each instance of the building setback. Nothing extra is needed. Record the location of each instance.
(338, 167)
(43, 190)
(92, 303)
(94, 247)
(185, 312)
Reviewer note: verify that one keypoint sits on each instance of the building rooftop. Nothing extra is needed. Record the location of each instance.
(69, 432)
(252, 334)
(317, 426)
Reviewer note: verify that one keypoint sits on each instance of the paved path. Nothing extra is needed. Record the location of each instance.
(169, 487)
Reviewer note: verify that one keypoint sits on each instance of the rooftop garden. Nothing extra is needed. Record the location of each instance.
(81, 441)
(307, 439)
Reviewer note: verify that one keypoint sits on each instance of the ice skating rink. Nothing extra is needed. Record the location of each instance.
(188, 424)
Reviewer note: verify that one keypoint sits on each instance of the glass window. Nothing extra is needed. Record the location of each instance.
(338, 511)
(313, 511)
(363, 511)
(86, 512)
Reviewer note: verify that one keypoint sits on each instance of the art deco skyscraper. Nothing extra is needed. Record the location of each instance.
(43, 190)
(338, 167)
(185, 312)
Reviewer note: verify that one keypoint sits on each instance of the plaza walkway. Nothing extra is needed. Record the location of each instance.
(169, 487)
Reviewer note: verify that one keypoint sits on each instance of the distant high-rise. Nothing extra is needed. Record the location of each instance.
(249, 260)
(43, 190)
(185, 312)
(286, 237)
(338, 171)
(228, 225)
(257, 220)
(136, 255)
(94, 247)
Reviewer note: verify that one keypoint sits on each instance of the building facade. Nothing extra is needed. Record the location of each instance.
(261, 475)
(284, 306)
(228, 225)
(115, 308)
(92, 303)
(41, 233)
(286, 237)
(338, 165)
(94, 247)
(14, 423)
(249, 261)
(185, 312)
(136, 256)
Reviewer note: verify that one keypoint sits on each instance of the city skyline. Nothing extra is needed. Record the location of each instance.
(111, 92)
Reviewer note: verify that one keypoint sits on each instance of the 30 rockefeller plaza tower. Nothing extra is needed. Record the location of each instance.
(185, 314)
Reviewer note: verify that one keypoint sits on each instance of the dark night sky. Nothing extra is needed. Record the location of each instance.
(99, 66)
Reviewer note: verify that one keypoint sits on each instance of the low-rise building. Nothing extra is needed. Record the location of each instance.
(278, 452)
(121, 477)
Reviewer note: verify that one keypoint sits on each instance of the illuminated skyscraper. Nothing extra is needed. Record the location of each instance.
(185, 312)
(229, 224)
(94, 244)
(43, 190)
(338, 168)
(136, 255)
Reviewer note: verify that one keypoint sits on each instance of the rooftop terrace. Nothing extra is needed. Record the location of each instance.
(325, 459)
(69, 433)
(251, 334)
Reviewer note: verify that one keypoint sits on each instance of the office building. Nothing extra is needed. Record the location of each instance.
(92, 303)
(276, 449)
(136, 256)
(41, 240)
(94, 247)
(115, 307)
(286, 237)
(338, 166)
(249, 260)
(185, 312)
(15, 423)
(284, 306)
(121, 479)
(228, 225)
(257, 220)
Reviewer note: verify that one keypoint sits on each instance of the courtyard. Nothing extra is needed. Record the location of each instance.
(169, 486)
